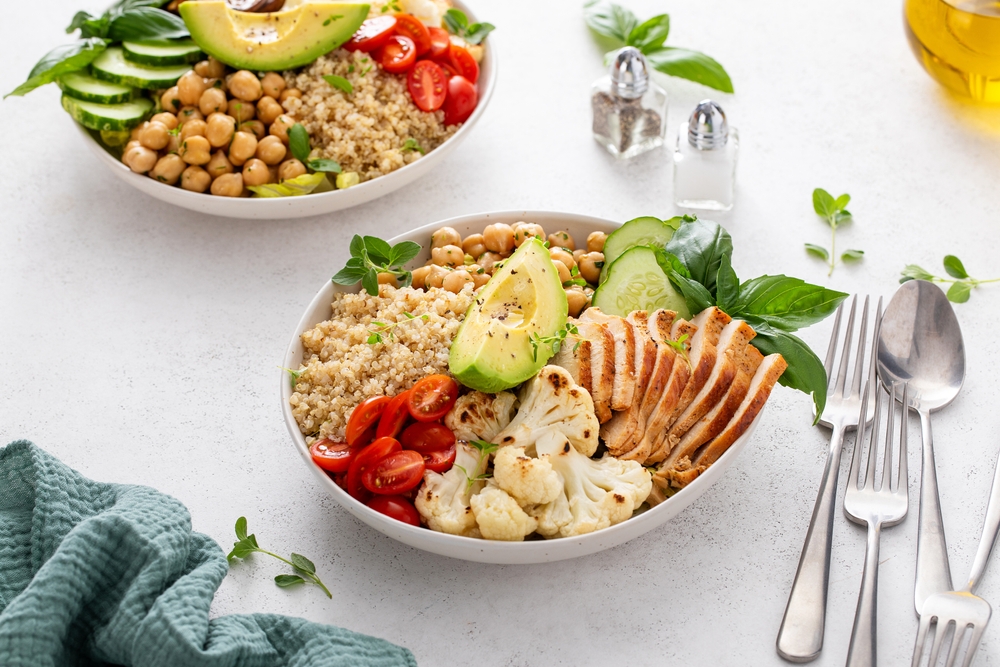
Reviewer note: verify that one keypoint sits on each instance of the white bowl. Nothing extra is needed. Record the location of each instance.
(314, 204)
(468, 548)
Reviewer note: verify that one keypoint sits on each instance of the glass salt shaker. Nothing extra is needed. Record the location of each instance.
(630, 111)
(705, 160)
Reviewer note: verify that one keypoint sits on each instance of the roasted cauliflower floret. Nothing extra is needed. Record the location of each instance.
(444, 499)
(529, 480)
(499, 516)
(479, 416)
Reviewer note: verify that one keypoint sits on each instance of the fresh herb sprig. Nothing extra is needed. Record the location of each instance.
(339, 82)
(555, 342)
(620, 27)
(458, 24)
(962, 283)
(835, 213)
(371, 256)
(304, 568)
(298, 143)
(384, 331)
(680, 348)
(412, 144)
(485, 449)
(392, 6)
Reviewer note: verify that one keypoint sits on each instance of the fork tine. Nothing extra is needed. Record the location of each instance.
(859, 363)
(918, 647)
(956, 643)
(831, 351)
(903, 478)
(845, 355)
(859, 440)
(869, 482)
(977, 635)
(940, 630)
(876, 329)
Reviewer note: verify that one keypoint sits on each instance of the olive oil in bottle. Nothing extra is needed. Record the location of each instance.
(958, 43)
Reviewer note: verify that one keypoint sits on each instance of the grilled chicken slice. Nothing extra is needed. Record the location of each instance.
(602, 366)
(680, 373)
(624, 355)
(623, 433)
(574, 356)
(658, 326)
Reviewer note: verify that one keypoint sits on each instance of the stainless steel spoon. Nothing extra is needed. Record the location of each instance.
(921, 343)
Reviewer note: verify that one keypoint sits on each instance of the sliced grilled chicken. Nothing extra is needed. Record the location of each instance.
(623, 433)
(710, 323)
(658, 326)
(624, 357)
(680, 373)
(602, 366)
(574, 356)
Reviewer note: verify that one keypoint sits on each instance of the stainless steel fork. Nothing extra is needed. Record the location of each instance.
(877, 505)
(800, 638)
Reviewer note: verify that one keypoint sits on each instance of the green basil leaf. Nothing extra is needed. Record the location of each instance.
(477, 32)
(303, 563)
(786, 303)
(61, 60)
(852, 255)
(675, 222)
(79, 20)
(370, 282)
(349, 276)
(695, 294)
(356, 263)
(456, 21)
(690, 65)
(650, 34)
(914, 272)
(959, 292)
(841, 202)
(241, 528)
(324, 164)
(403, 252)
(805, 371)
(842, 217)
(357, 246)
(823, 203)
(610, 20)
(953, 265)
(298, 142)
(817, 251)
(146, 24)
(701, 245)
(286, 580)
(123, 5)
(242, 549)
(252, 539)
(378, 250)
(339, 82)
(669, 262)
(727, 287)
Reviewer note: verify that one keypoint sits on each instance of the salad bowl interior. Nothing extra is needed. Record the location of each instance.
(472, 549)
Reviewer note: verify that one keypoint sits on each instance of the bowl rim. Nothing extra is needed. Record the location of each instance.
(530, 551)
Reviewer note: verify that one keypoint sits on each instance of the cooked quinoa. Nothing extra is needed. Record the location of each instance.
(340, 368)
(364, 130)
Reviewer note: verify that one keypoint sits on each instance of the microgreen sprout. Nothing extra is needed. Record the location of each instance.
(555, 342)
(292, 375)
(411, 144)
(384, 331)
(835, 213)
(304, 568)
(961, 283)
(681, 349)
(485, 449)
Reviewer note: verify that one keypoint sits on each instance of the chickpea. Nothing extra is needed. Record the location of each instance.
(255, 127)
(219, 129)
(243, 146)
(195, 179)
(268, 110)
(271, 150)
(140, 159)
(577, 300)
(578, 253)
(420, 276)
(228, 185)
(195, 150)
(165, 117)
(488, 260)
(457, 280)
(590, 266)
(562, 240)
(216, 69)
(436, 276)
(245, 85)
(280, 127)
(527, 230)
(563, 270)
(449, 255)
(272, 84)
(499, 238)
(136, 131)
(193, 128)
(201, 69)
(479, 276)
(187, 114)
(289, 92)
(473, 245)
(290, 169)
(155, 136)
(255, 172)
(242, 111)
(174, 144)
(563, 256)
(129, 146)
(445, 236)
(595, 241)
(168, 169)
(387, 279)
(170, 100)
(219, 165)
(190, 87)
(212, 101)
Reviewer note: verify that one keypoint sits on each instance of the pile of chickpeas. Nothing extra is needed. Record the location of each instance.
(218, 132)
(455, 262)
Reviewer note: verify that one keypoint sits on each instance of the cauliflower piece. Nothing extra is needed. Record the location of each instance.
(530, 481)
(479, 416)
(553, 399)
(595, 495)
(443, 500)
(428, 11)
(499, 516)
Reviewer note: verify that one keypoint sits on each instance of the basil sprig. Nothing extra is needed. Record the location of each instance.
(458, 24)
(698, 261)
(834, 212)
(620, 27)
(298, 143)
(371, 256)
(962, 283)
(59, 61)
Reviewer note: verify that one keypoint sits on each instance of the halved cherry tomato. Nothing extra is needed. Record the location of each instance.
(397, 507)
(426, 437)
(395, 473)
(394, 416)
(363, 417)
(428, 85)
(449, 71)
(440, 43)
(440, 460)
(432, 397)
(365, 459)
(410, 26)
(398, 54)
(372, 34)
(340, 479)
(463, 61)
(461, 101)
(332, 456)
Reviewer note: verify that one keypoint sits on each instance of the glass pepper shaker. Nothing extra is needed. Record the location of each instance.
(705, 160)
(630, 111)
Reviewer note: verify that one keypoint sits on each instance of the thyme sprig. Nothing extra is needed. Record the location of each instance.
(555, 341)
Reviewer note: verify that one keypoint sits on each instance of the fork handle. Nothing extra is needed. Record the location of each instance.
(933, 571)
(862, 652)
(991, 526)
(800, 638)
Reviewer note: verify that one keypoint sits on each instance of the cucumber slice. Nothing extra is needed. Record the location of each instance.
(640, 231)
(635, 281)
(112, 66)
(82, 86)
(113, 117)
(161, 54)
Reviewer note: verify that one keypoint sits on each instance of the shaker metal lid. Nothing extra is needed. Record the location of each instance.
(707, 127)
(629, 73)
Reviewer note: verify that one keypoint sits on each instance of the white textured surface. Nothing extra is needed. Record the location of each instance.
(140, 343)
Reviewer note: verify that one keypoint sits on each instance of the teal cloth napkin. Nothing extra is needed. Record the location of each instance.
(112, 574)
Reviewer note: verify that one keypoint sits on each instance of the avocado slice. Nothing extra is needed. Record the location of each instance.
(492, 350)
(274, 41)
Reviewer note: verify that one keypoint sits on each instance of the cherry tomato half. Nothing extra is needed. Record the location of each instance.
(363, 417)
(427, 437)
(440, 43)
(365, 459)
(428, 85)
(397, 507)
(463, 61)
(432, 397)
(461, 101)
(394, 416)
(410, 26)
(332, 456)
(372, 34)
(440, 460)
(398, 54)
(394, 474)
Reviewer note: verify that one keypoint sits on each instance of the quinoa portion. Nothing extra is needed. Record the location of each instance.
(340, 368)
(364, 131)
